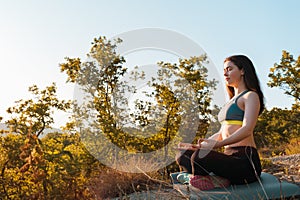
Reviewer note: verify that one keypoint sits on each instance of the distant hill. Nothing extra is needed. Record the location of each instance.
(3, 126)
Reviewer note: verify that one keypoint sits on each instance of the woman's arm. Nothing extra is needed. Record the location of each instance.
(252, 106)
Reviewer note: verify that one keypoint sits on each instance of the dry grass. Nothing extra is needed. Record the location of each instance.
(112, 183)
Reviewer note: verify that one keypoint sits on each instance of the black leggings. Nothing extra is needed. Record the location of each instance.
(239, 165)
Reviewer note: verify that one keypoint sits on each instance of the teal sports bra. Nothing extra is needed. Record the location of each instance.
(231, 113)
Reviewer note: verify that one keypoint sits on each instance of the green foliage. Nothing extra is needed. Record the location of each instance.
(194, 76)
(39, 169)
(69, 165)
(176, 88)
(286, 75)
(277, 126)
(36, 113)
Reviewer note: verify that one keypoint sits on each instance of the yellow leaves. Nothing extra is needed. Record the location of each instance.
(29, 167)
(72, 67)
(285, 54)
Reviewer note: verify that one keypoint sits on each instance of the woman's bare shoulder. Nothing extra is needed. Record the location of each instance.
(251, 95)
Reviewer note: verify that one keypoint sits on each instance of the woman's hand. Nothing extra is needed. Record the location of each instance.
(208, 143)
(188, 146)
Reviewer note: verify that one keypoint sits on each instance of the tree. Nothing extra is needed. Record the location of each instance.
(286, 76)
(29, 118)
(97, 81)
(36, 114)
(194, 75)
(59, 167)
(102, 116)
(68, 165)
(278, 126)
(10, 181)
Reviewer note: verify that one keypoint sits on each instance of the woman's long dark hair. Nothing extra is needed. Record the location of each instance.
(250, 77)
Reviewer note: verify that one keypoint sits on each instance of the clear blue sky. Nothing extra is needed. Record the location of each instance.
(36, 35)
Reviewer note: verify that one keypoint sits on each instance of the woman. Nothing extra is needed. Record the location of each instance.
(240, 161)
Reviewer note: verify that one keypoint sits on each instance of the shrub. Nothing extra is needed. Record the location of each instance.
(293, 147)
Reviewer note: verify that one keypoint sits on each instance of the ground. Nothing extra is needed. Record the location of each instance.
(286, 168)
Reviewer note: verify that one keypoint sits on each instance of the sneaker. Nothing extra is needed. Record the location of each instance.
(183, 178)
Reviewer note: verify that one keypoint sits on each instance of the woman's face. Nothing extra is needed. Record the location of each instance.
(232, 74)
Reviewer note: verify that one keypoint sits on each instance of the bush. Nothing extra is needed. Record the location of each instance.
(266, 163)
(293, 147)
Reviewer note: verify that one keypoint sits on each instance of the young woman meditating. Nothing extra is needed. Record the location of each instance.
(239, 163)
